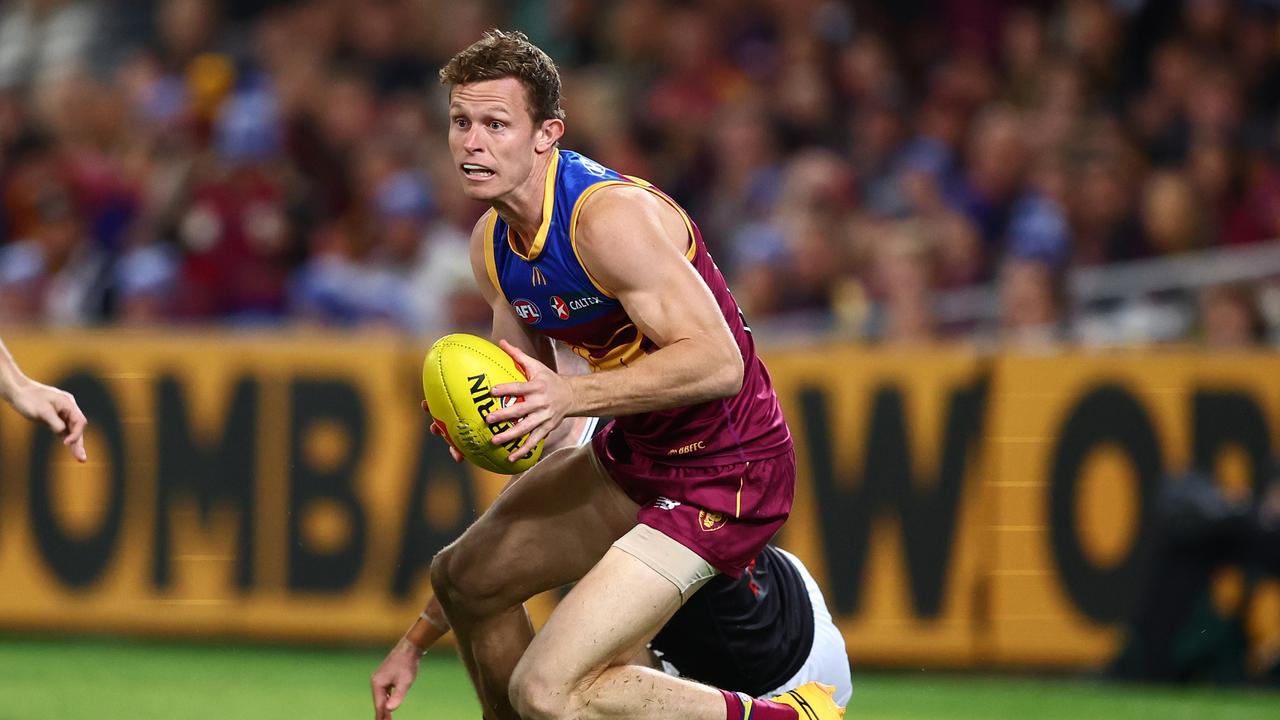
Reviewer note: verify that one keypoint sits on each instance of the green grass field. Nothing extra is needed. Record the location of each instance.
(110, 680)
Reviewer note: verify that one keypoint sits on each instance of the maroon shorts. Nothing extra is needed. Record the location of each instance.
(724, 513)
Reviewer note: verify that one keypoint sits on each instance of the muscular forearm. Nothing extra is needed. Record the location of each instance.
(430, 626)
(685, 372)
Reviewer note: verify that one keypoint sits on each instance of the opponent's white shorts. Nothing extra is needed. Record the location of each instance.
(828, 661)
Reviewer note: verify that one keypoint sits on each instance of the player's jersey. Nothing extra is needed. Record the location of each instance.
(751, 634)
(552, 292)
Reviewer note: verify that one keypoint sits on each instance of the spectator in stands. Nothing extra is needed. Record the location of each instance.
(1231, 318)
(41, 39)
(1213, 169)
(430, 256)
(1150, 127)
(414, 275)
(186, 29)
(748, 172)
(339, 287)
(903, 267)
(1032, 280)
(1257, 219)
(791, 260)
(923, 178)
(996, 161)
(1022, 54)
(1172, 219)
(144, 283)
(236, 234)
(1103, 198)
(52, 272)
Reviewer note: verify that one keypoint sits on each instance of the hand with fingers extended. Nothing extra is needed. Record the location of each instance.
(438, 429)
(55, 408)
(545, 398)
(392, 679)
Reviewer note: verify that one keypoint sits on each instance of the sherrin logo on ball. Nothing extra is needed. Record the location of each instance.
(458, 376)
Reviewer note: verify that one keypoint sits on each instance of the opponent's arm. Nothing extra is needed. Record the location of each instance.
(43, 403)
(633, 243)
(390, 683)
(430, 626)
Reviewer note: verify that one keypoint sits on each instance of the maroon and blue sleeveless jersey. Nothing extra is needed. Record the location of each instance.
(554, 294)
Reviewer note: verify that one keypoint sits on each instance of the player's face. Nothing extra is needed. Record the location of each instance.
(493, 138)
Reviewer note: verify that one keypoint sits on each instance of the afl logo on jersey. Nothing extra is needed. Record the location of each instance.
(560, 307)
(526, 311)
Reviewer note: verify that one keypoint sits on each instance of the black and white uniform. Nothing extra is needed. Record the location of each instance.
(765, 633)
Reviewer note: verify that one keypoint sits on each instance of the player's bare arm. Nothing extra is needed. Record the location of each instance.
(42, 403)
(634, 244)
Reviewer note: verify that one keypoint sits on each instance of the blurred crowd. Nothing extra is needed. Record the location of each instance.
(852, 164)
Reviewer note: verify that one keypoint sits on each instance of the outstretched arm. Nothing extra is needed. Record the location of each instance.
(392, 679)
(55, 408)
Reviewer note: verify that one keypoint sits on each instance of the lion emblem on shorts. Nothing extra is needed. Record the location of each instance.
(710, 521)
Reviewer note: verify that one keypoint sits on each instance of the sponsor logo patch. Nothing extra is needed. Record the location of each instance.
(584, 302)
(560, 307)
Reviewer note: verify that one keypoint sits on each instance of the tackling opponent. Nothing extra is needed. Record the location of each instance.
(765, 633)
(692, 478)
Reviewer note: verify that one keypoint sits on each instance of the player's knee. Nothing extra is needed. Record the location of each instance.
(537, 696)
(444, 577)
(466, 586)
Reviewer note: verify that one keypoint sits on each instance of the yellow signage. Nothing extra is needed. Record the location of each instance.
(958, 509)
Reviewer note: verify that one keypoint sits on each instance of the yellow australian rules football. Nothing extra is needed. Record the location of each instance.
(457, 375)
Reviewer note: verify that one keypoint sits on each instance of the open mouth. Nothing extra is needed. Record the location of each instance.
(472, 170)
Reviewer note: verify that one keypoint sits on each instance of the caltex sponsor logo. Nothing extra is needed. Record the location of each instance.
(584, 302)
